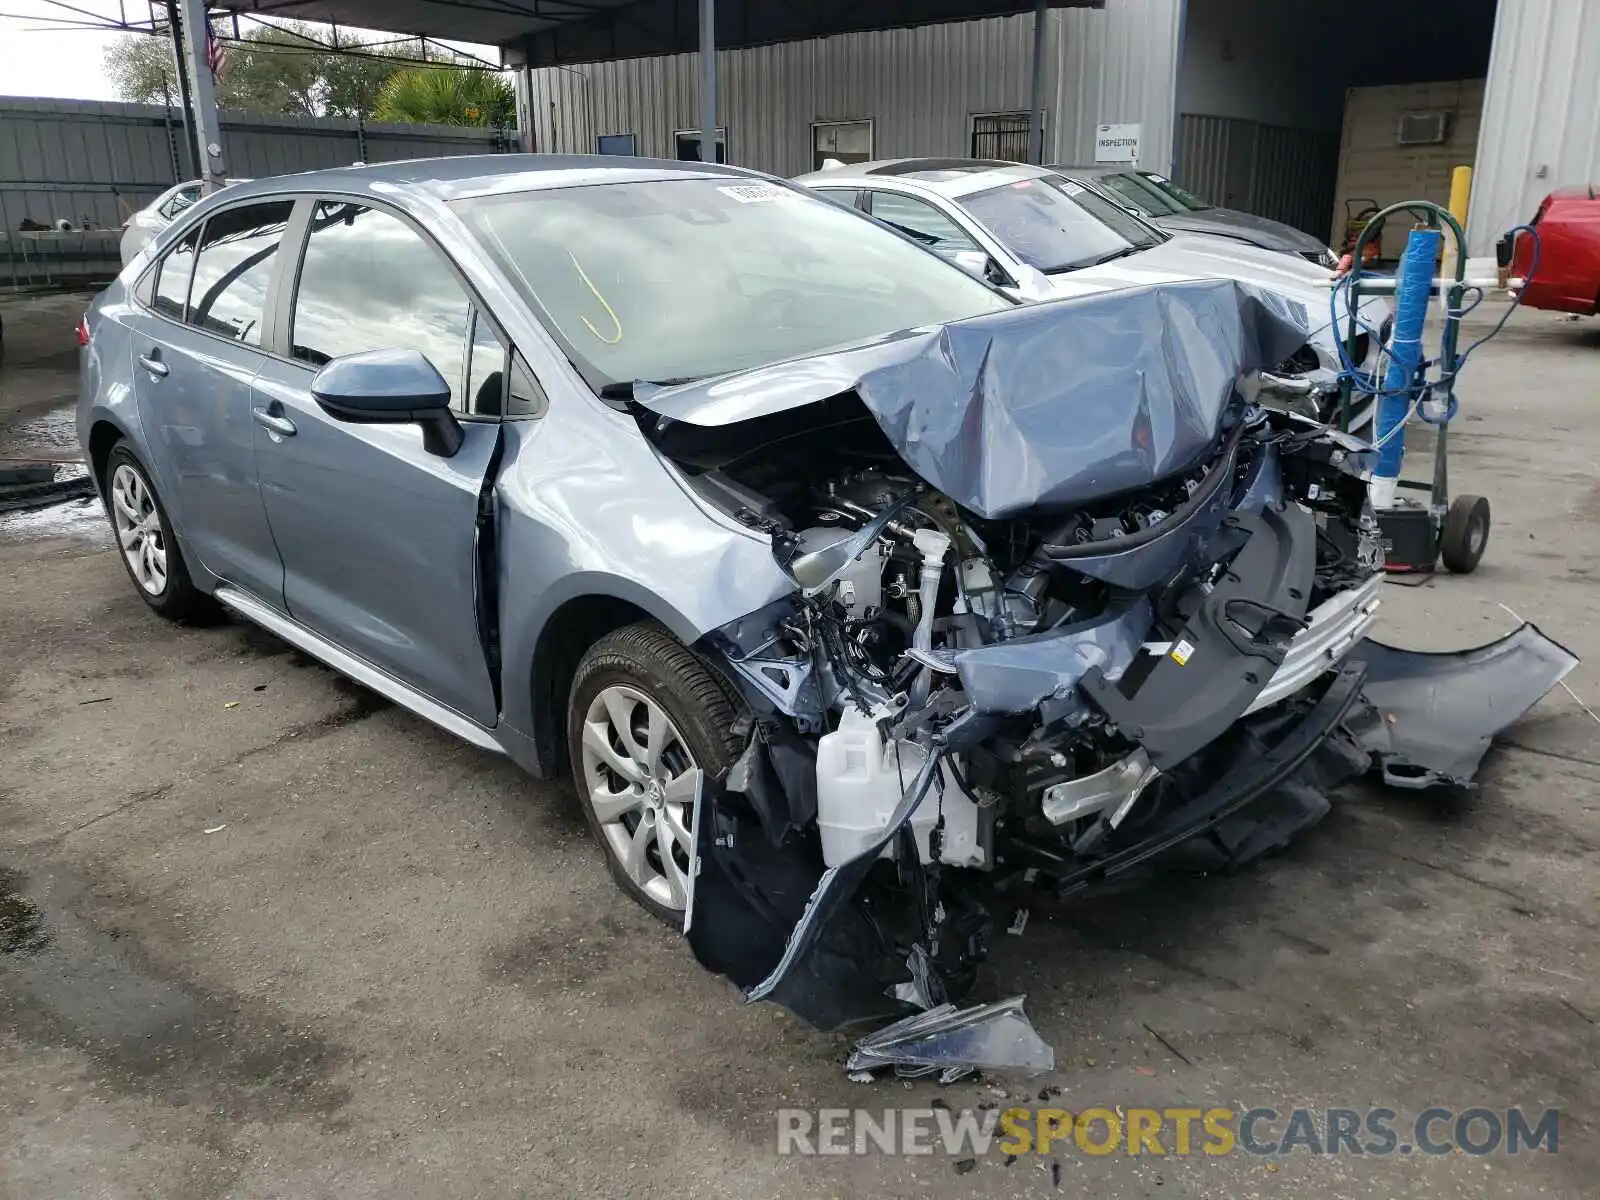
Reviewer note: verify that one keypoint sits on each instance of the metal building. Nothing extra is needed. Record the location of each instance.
(1248, 99)
(953, 89)
(1244, 100)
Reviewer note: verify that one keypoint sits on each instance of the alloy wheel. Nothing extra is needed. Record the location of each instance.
(138, 526)
(639, 780)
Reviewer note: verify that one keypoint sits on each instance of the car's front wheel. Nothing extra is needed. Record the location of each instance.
(643, 716)
(144, 536)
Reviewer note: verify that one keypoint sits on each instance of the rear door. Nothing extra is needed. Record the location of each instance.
(378, 536)
(197, 344)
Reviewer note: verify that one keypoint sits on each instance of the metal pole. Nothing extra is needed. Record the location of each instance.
(708, 81)
(185, 100)
(522, 85)
(207, 131)
(1036, 100)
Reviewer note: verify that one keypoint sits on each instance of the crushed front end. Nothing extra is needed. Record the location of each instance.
(1039, 638)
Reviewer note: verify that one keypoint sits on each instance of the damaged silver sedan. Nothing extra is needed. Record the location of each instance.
(858, 601)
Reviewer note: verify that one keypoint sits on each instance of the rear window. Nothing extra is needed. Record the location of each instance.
(171, 292)
(233, 269)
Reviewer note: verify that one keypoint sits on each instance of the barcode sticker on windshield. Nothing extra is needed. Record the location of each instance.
(754, 193)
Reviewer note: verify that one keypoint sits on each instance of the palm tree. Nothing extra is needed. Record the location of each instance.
(445, 96)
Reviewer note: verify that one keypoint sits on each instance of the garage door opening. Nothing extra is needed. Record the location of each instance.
(1298, 110)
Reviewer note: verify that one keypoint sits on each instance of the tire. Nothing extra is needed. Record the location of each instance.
(1465, 534)
(170, 592)
(622, 678)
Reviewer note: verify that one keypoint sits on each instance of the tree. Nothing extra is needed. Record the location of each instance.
(294, 69)
(140, 68)
(445, 96)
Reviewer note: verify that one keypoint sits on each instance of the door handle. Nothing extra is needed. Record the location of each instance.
(154, 365)
(281, 426)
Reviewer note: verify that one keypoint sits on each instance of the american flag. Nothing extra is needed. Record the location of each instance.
(216, 55)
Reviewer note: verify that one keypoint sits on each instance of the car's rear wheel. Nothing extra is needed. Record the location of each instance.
(149, 550)
(643, 716)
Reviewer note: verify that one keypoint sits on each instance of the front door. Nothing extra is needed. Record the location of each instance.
(378, 536)
(197, 348)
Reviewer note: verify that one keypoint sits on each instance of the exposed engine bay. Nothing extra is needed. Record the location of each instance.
(1005, 675)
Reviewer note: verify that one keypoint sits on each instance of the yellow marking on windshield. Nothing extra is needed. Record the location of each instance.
(610, 312)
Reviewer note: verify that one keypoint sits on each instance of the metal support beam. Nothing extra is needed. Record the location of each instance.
(1036, 99)
(708, 81)
(181, 162)
(522, 88)
(203, 113)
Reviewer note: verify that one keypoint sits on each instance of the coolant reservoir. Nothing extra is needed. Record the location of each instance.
(860, 782)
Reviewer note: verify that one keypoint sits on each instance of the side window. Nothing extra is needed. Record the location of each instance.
(369, 281)
(924, 222)
(486, 372)
(527, 398)
(233, 269)
(172, 279)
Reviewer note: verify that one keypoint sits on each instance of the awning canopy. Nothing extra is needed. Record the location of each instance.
(550, 32)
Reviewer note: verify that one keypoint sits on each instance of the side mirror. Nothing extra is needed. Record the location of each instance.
(390, 387)
(973, 262)
(980, 265)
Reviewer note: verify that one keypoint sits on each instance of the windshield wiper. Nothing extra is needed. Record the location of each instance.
(927, 239)
(1111, 256)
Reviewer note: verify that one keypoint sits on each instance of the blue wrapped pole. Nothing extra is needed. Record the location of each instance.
(1413, 289)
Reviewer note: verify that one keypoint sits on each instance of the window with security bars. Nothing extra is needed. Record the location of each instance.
(1001, 135)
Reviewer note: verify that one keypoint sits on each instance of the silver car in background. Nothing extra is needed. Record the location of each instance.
(1173, 207)
(1040, 235)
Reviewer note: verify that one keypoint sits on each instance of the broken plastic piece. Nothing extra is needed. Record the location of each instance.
(989, 1036)
(1433, 716)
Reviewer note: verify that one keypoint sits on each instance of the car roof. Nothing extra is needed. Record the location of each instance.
(1093, 170)
(952, 177)
(484, 174)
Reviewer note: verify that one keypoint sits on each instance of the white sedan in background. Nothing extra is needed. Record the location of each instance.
(150, 220)
(1038, 234)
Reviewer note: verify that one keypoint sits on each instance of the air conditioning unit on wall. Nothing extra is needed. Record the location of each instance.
(1424, 128)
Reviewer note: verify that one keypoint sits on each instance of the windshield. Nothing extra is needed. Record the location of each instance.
(1056, 225)
(1177, 191)
(684, 278)
(1142, 195)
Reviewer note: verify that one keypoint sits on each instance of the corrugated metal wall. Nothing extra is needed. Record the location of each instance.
(919, 87)
(95, 163)
(1373, 165)
(1541, 113)
(1118, 65)
(1271, 170)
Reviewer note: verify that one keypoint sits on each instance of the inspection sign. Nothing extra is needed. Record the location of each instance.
(1116, 143)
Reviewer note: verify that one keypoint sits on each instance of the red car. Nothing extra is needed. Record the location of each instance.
(1568, 278)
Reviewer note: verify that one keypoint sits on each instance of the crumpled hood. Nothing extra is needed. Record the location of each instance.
(1230, 222)
(1046, 405)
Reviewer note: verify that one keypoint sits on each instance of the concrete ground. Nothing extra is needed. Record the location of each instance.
(264, 935)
